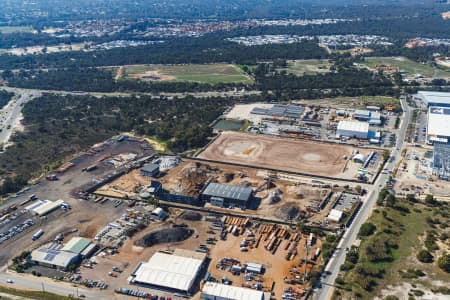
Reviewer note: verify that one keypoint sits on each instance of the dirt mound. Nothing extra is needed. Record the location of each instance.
(169, 235)
(191, 216)
(289, 211)
(192, 178)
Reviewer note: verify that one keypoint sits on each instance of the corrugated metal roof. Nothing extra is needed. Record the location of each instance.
(228, 191)
(77, 245)
(43, 207)
(435, 97)
(231, 292)
(53, 257)
(150, 168)
(353, 126)
(170, 271)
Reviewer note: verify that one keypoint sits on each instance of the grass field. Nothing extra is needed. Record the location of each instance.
(14, 29)
(408, 66)
(212, 74)
(307, 67)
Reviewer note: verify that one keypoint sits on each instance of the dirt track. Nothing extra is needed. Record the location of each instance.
(278, 153)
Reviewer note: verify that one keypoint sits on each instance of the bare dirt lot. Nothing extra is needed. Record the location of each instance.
(283, 154)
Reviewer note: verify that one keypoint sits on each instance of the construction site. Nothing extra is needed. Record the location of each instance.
(284, 154)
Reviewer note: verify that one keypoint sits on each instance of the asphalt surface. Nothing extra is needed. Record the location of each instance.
(325, 287)
(11, 113)
(39, 283)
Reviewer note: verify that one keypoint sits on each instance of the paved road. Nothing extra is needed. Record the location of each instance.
(332, 269)
(21, 281)
(11, 113)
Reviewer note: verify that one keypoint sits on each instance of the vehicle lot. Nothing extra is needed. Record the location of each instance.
(85, 216)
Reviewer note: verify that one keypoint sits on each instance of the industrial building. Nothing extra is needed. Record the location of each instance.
(81, 246)
(53, 257)
(280, 111)
(224, 195)
(438, 129)
(429, 98)
(43, 207)
(150, 170)
(175, 272)
(441, 160)
(375, 118)
(218, 291)
(353, 129)
(362, 115)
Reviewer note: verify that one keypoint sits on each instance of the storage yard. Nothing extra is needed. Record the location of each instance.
(283, 154)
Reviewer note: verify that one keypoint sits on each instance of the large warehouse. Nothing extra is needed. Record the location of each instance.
(433, 98)
(224, 195)
(441, 160)
(438, 129)
(218, 291)
(353, 129)
(175, 272)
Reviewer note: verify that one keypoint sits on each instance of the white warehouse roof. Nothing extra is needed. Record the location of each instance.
(335, 215)
(43, 207)
(438, 122)
(354, 126)
(435, 98)
(169, 271)
(213, 290)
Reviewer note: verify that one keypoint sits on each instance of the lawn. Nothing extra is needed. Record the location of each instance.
(408, 66)
(14, 29)
(307, 67)
(212, 73)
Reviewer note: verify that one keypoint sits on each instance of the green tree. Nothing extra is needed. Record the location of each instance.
(424, 256)
(367, 229)
(444, 262)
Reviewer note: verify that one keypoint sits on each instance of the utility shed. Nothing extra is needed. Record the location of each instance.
(173, 272)
(254, 268)
(227, 195)
(150, 170)
(218, 291)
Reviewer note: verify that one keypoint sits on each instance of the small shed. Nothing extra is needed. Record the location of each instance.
(159, 213)
(254, 268)
(150, 170)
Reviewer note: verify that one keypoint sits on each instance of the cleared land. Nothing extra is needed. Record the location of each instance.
(283, 154)
(408, 66)
(14, 29)
(353, 102)
(214, 73)
(307, 67)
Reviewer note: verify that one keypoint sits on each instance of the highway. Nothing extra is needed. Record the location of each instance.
(11, 113)
(324, 289)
